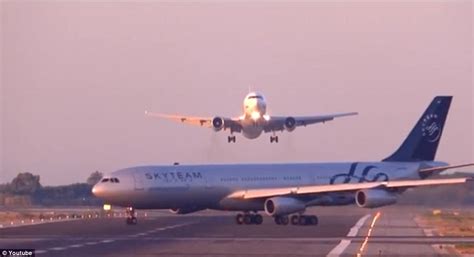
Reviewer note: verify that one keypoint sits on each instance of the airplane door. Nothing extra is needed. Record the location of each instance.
(139, 181)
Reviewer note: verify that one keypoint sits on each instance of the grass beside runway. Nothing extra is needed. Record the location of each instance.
(452, 224)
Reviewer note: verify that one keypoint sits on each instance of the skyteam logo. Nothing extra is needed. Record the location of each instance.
(369, 174)
(430, 128)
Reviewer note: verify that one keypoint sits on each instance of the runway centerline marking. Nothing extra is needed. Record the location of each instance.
(339, 249)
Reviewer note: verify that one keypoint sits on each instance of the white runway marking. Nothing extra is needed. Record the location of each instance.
(57, 248)
(339, 249)
(105, 241)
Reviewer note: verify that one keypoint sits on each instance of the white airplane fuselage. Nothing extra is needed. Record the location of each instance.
(253, 119)
(207, 186)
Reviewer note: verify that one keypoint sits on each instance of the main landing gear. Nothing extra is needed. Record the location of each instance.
(273, 139)
(257, 219)
(302, 220)
(131, 216)
(248, 219)
(231, 139)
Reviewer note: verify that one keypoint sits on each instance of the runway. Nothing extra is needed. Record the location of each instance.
(343, 231)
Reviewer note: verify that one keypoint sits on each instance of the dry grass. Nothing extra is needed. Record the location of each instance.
(465, 248)
(454, 224)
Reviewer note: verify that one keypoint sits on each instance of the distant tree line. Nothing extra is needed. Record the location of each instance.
(452, 195)
(26, 189)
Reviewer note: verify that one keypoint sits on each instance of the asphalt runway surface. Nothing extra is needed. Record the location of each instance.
(342, 231)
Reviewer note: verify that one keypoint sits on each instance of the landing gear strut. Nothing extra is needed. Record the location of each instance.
(231, 139)
(248, 219)
(273, 139)
(131, 216)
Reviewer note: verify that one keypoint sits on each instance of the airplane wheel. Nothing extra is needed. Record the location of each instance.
(284, 220)
(239, 219)
(231, 139)
(258, 219)
(295, 220)
(248, 219)
(302, 220)
(313, 220)
(277, 220)
(276, 139)
(132, 221)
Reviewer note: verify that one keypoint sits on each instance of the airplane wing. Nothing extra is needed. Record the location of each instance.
(233, 124)
(293, 191)
(276, 123)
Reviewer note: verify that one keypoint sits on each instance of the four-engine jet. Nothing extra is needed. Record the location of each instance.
(281, 190)
(254, 120)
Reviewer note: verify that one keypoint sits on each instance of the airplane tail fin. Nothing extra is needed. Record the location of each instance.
(422, 142)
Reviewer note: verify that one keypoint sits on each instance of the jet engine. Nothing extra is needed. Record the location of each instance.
(290, 124)
(373, 198)
(283, 205)
(218, 123)
(185, 210)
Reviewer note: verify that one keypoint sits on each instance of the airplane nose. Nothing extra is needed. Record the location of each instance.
(97, 190)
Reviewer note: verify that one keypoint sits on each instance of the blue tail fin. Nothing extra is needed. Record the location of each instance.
(422, 142)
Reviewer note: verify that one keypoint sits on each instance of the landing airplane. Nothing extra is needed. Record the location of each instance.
(254, 121)
(281, 190)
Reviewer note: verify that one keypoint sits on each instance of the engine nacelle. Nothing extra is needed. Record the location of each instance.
(290, 124)
(218, 123)
(373, 198)
(283, 206)
(185, 210)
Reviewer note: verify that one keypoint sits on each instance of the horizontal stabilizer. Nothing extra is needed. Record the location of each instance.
(446, 167)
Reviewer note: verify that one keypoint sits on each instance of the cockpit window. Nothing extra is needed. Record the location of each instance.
(112, 180)
(255, 96)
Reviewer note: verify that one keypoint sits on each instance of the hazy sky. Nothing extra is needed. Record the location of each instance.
(76, 78)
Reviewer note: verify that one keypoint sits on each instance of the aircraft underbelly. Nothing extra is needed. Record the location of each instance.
(252, 131)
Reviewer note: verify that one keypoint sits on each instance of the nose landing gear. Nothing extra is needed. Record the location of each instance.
(131, 216)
